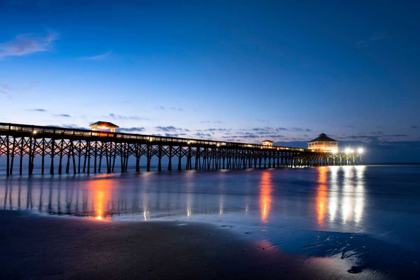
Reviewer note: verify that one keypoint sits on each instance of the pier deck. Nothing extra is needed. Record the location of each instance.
(86, 151)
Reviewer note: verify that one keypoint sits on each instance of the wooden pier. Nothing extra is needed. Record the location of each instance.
(64, 150)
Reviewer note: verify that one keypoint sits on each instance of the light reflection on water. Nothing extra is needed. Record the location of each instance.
(324, 198)
(263, 195)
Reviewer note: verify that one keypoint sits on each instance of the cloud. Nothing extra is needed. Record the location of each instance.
(217, 130)
(293, 129)
(414, 127)
(101, 56)
(122, 117)
(169, 128)
(377, 132)
(26, 44)
(6, 93)
(63, 115)
(132, 129)
(74, 126)
(373, 138)
(375, 37)
(201, 135)
(300, 129)
(211, 122)
(170, 108)
(261, 129)
(263, 121)
(38, 110)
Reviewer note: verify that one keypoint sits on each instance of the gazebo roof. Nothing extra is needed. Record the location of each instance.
(106, 124)
(268, 141)
(323, 138)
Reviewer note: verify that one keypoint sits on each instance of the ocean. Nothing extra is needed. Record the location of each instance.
(362, 219)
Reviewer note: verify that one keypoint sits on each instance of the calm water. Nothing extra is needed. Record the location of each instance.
(365, 216)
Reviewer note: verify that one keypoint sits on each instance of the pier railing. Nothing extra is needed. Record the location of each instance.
(59, 132)
(77, 149)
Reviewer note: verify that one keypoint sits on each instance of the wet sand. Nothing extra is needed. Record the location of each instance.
(43, 247)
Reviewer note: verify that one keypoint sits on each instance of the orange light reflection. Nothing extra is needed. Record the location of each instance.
(100, 195)
(322, 194)
(265, 195)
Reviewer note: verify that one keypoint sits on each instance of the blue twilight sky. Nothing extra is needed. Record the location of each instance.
(226, 70)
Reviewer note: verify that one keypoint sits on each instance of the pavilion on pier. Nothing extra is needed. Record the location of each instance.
(323, 143)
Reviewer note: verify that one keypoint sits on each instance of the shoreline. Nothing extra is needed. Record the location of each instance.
(72, 247)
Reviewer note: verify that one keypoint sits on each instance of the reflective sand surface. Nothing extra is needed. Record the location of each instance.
(359, 219)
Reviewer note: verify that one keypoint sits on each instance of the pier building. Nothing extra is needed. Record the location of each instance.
(268, 143)
(323, 143)
(104, 126)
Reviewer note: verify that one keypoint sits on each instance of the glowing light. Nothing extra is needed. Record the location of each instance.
(322, 195)
(34, 132)
(100, 190)
(360, 150)
(348, 151)
(335, 151)
(265, 195)
(268, 143)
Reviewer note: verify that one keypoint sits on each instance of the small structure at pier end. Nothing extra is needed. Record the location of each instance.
(104, 126)
(323, 143)
(267, 143)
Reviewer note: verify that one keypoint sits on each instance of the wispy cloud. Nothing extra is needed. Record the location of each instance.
(262, 129)
(132, 129)
(263, 121)
(122, 117)
(170, 128)
(211, 122)
(169, 108)
(202, 135)
(4, 90)
(38, 110)
(101, 56)
(62, 115)
(377, 132)
(74, 126)
(26, 44)
(375, 37)
(300, 129)
(374, 138)
(414, 127)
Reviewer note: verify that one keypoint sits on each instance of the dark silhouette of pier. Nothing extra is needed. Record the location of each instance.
(86, 151)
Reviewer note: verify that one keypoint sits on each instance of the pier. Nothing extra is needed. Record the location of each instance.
(66, 150)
